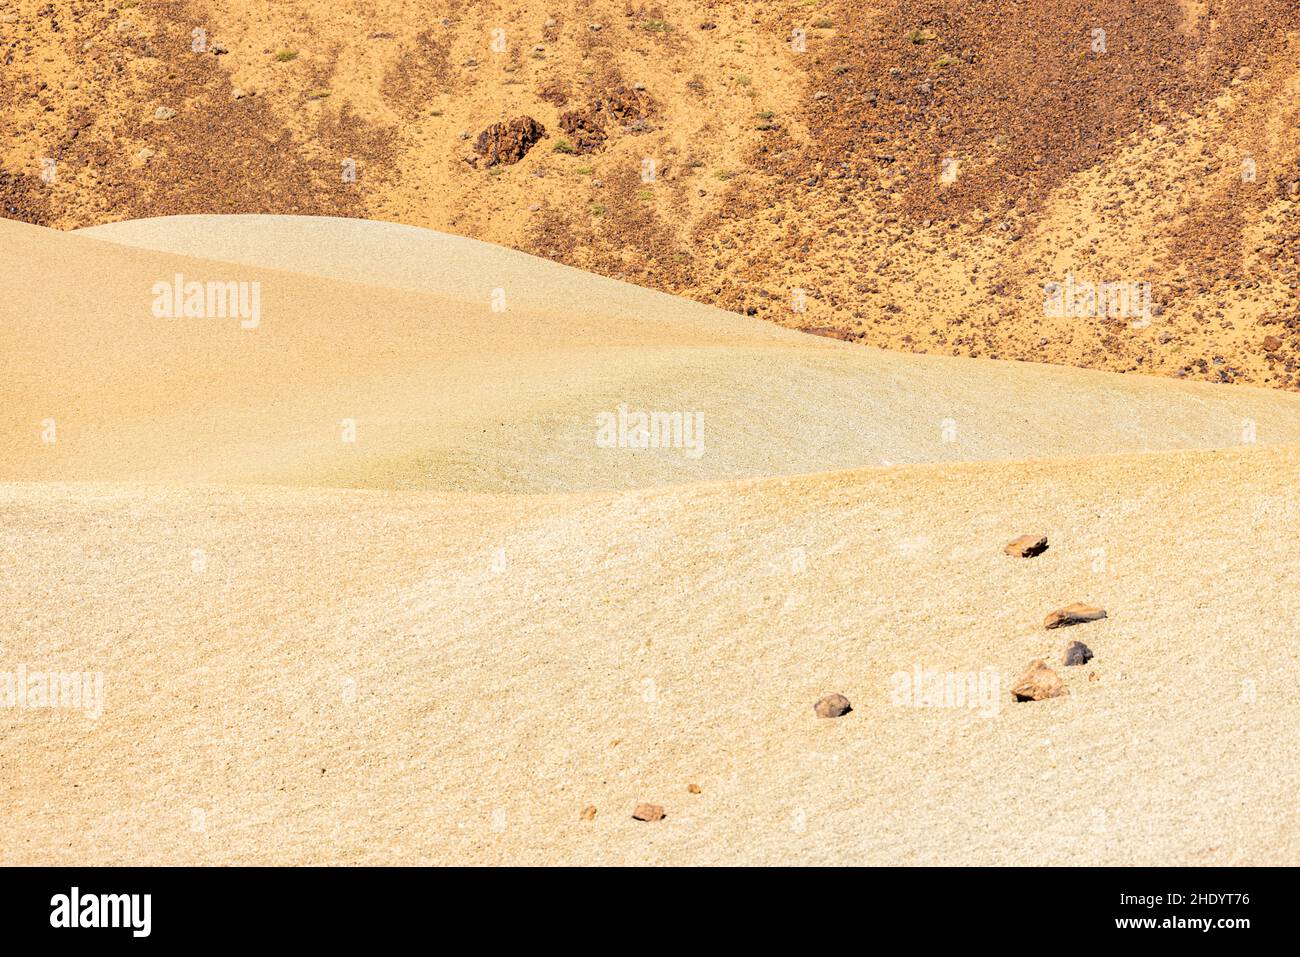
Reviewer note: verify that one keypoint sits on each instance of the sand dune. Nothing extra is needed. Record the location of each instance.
(441, 642)
(393, 328)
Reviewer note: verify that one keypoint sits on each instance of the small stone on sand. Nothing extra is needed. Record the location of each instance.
(1026, 546)
(833, 706)
(1073, 614)
(589, 812)
(693, 788)
(1077, 653)
(1038, 682)
(648, 812)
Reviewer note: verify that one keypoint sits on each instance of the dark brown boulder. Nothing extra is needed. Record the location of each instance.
(589, 128)
(585, 130)
(506, 143)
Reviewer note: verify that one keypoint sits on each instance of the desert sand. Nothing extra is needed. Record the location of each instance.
(447, 640)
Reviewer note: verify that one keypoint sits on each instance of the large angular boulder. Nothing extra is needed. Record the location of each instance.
(629, 108)
(509, 142)
(585, 130)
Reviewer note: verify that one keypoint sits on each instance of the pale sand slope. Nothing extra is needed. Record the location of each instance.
(342, 675)
(448, 394)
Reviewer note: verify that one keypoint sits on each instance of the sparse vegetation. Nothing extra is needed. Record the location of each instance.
(284, 56)
(563, 146)
(921, 36)
(743, 79)
(825, 23)
(597, 210)
(946, 61)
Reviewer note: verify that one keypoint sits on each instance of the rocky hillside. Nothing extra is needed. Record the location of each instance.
(1102, 183)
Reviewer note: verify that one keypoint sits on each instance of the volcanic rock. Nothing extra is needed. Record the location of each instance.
(1026, 546)
(832, 706)
(1073, 614)
(648, 812)
(506, 143)
(1038, 682)
(1077, 653)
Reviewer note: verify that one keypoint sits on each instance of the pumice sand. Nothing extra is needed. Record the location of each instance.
(676, 433)
(363, 587)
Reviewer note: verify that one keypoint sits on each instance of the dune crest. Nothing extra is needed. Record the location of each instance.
(391, 357)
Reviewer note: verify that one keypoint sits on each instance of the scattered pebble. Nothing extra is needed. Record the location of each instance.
(1038, 682)
(589, 812)
(832, 706)
(1073, 614)
(1026, 546)
(648, 812)
(1077, 653)
(693, 788)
